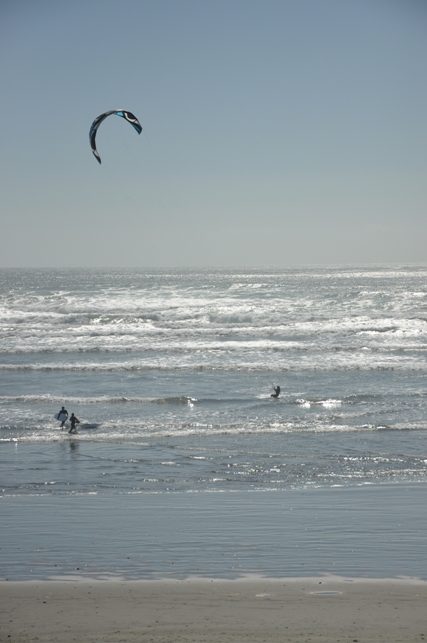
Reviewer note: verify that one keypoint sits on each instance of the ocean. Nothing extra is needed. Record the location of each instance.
(170, 373)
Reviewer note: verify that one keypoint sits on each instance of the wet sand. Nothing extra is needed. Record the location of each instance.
(373, 532)
(327, 609)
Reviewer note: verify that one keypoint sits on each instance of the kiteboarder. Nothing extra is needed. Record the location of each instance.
(73, 421)
(276, 391)
(62, 416)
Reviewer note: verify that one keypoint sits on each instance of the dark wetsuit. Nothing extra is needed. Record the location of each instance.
(73, 421)
(276, 391)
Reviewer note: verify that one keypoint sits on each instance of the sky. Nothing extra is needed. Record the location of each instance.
(275, 132)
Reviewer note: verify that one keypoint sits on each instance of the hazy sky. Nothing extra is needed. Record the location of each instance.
(276, 132)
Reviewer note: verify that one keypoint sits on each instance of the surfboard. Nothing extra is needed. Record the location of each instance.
(61, 417)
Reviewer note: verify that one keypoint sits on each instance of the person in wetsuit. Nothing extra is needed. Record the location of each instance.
(73, 421)
(64, 414)
(276, 391)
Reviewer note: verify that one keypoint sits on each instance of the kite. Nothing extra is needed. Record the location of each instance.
(128, 116)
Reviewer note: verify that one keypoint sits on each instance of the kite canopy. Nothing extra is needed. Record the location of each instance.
(128, 116)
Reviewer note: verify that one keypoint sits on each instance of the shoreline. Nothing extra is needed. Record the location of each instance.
(222, 611)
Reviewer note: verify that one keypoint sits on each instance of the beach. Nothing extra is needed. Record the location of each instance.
(321, 565)
(374, 531)
(330, 609)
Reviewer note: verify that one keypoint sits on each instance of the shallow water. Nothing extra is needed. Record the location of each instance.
(226, 462)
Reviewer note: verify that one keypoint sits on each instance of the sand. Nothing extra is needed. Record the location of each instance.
(328, 609)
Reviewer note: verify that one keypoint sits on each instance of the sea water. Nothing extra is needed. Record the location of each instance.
(171, 372)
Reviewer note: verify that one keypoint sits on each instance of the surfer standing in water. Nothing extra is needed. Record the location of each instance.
(276, 391)
(73, 421)
(62, 416)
